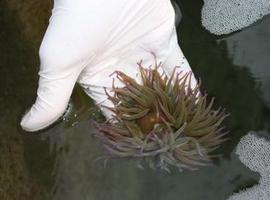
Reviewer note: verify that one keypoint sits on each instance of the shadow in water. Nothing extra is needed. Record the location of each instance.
(17, 88)
(233, 85)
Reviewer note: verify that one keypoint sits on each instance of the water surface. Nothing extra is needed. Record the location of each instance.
(60, 162)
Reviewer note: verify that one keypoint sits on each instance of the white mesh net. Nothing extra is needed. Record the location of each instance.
(254, 152)
(226, 16)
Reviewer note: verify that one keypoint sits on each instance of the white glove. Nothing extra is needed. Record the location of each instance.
(87, 40)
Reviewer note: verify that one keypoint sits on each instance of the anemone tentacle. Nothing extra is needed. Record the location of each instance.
(163, 120)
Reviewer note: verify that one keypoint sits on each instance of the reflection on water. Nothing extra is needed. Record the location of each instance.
(251, 49)
(61, 162)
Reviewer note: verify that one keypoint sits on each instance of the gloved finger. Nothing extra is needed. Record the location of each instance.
(62, 58)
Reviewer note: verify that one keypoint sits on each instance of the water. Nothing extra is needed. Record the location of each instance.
(60, 162)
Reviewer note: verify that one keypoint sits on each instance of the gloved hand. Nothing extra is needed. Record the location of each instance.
(87, 40)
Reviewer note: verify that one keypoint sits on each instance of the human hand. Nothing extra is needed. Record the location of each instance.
(86, 41)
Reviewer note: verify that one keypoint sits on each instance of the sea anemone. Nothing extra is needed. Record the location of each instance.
(163, 120)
